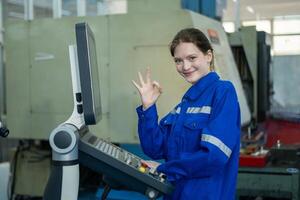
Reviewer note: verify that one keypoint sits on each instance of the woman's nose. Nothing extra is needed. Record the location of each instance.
(186, 65)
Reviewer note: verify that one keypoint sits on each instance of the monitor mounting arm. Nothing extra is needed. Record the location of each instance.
(77, 118)
(63, 182)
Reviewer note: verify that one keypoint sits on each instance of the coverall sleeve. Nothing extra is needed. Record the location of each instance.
(218, 140)
(152, 135)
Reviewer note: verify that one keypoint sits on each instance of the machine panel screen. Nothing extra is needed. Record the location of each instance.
(88, 71)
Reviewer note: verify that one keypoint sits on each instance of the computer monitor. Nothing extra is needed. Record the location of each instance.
(88, 72)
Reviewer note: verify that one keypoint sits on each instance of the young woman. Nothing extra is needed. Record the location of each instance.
(200, 138)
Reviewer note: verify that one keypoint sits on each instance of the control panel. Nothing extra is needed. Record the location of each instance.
(122, 166)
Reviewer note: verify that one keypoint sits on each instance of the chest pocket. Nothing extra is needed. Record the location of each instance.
(192, 132)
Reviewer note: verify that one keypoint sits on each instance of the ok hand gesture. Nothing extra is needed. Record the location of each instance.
(149, 90)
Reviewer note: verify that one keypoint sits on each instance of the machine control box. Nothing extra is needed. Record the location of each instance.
(116, 163)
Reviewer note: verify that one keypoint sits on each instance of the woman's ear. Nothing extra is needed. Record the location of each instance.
(209, 56)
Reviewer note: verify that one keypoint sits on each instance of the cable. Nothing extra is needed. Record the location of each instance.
(106, 191)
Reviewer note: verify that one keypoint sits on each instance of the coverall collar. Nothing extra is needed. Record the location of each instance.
(197, 89)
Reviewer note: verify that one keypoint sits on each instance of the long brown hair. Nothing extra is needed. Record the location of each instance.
(196, 37)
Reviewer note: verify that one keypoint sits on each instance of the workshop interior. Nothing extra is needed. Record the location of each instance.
(68, 122)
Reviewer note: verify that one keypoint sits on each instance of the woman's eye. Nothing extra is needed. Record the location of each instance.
(192, 58)
(178, 62)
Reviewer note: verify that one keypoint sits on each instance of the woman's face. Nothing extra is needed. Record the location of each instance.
(191, 63)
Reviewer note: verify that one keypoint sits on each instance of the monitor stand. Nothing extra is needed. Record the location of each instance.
(63, 182)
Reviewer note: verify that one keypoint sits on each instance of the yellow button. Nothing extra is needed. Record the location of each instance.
(142, 169)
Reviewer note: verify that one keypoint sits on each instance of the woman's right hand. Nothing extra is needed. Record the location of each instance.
(149, 90)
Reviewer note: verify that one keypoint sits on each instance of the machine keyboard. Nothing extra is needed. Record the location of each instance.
(119, 161)
(114, 151)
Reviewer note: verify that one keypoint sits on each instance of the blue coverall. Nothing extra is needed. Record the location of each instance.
(199, 140)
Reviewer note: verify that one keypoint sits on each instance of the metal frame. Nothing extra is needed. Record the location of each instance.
(57, 9)
(28, 10)
(81, 8)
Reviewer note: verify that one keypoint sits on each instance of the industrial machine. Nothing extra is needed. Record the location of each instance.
(269, 161)
(95, 153)
(128, 45)
(252, 52)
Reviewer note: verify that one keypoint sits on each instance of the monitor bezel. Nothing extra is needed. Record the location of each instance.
(92, 112)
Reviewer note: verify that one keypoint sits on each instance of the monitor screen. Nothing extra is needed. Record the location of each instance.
(88, 72)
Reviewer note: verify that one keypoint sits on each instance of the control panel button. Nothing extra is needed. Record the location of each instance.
(80, 108)
(142, 169)
(78, 97)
